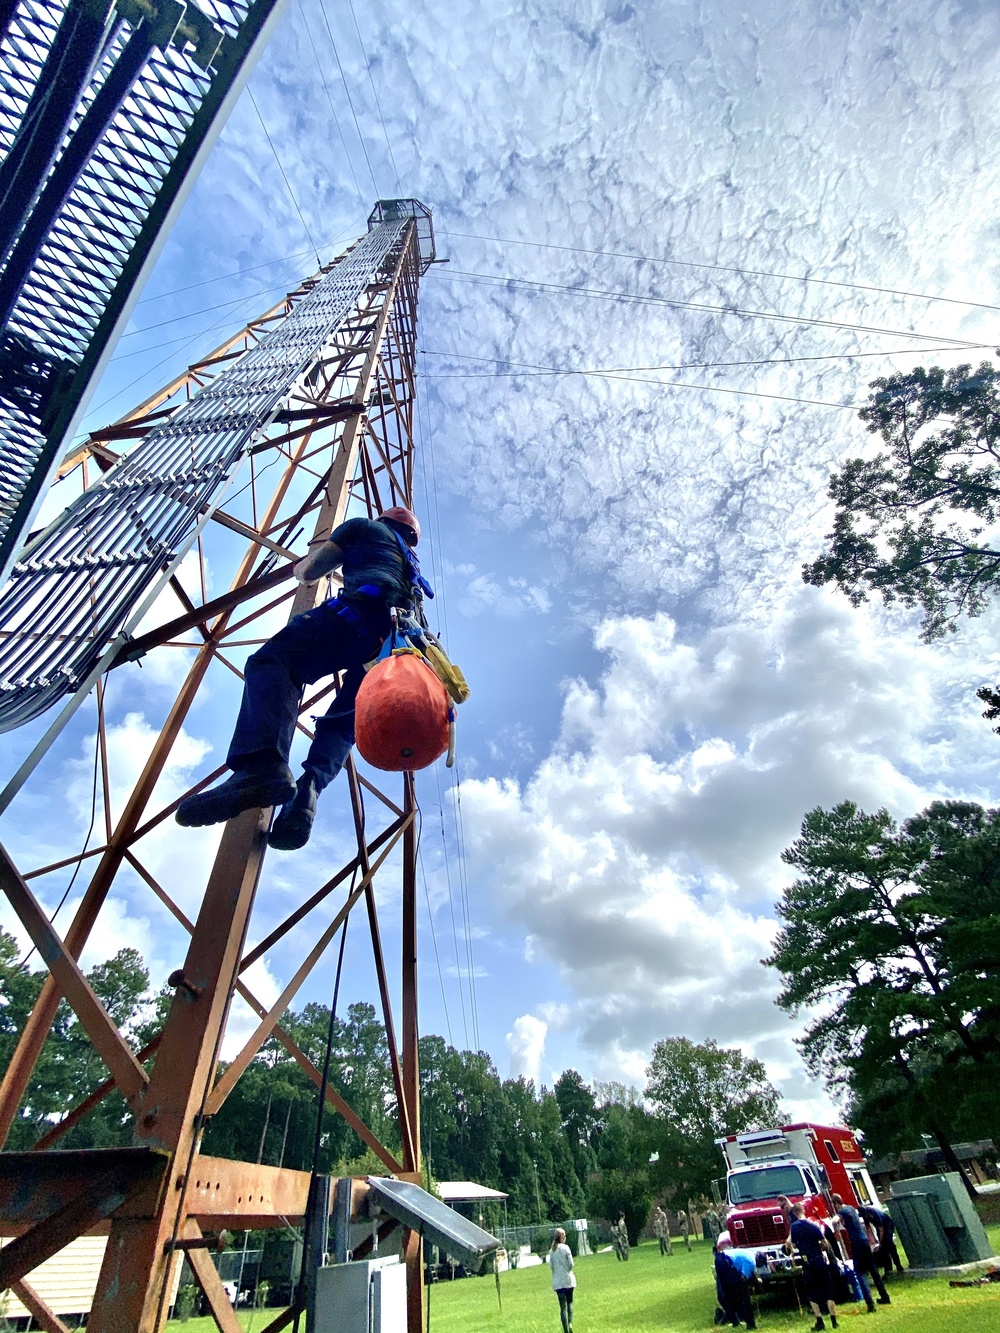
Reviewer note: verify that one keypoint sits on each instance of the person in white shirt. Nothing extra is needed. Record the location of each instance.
(563, 1277)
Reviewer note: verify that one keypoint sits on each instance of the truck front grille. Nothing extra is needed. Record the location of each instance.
(759, 1229)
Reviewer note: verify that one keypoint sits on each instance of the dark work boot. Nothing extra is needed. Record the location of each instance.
(247, 789)
(294, 820)
(818, 1324)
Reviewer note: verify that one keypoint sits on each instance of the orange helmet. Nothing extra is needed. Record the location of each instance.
(405, 518)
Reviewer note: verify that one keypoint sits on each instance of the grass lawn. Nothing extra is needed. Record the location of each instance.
(675, 1293)
(253, 1321)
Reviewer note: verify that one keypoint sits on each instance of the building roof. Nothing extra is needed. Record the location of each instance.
(460, 1191)
(925, 1157)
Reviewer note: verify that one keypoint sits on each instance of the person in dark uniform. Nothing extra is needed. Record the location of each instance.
(380, 572)
(735, 1277)
(861, 1252)
(886, 1253)
(810, 1240)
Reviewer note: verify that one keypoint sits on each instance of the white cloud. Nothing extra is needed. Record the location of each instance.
(526, 1044)
(510, 599)
(243, 1022)
(642, 856)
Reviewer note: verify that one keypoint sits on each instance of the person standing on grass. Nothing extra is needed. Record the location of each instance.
(861, 1252)
(886, 1253)
(661, 1230)
(685, 1226)
(563, 1277)
(810, 1240)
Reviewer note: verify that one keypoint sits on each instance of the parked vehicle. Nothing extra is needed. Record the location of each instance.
(806, 1163)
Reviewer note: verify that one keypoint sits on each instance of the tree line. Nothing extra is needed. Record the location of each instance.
(573, 1150)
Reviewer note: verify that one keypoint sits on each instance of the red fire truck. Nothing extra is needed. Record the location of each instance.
(804, 1162)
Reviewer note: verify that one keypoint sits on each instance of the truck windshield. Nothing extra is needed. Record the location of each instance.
(767, 1183)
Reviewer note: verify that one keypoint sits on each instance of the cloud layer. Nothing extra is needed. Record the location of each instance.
(641, 858)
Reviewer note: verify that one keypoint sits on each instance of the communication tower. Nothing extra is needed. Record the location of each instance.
(260, 446)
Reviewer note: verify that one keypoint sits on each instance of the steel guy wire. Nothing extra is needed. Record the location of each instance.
(288, 187)
(326, 88)
(425, 424)
(630, 298)
(208, 309)
(86, 842)
(347, 90)
(451, 907)
(430, 918)
(528, 369)
(145, 373)
(227, 277)
(238, 273)
(378, 104)
(724, 268)
(718, 388)
(459, 828)
(437, 572)
(464, 884)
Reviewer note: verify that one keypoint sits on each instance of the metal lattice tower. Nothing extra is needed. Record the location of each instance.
(107, 110)
(315, 400)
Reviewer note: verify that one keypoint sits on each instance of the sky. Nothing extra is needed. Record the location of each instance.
(682, 238)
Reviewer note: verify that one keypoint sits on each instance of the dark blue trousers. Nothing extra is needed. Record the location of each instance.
(339, 635)
(864, 1266)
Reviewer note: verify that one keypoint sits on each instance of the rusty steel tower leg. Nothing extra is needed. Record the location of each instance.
(344, 433)
(411, 1059)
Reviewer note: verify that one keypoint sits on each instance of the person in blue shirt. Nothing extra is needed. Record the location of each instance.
(886, 1254)
(342, 634)
(735, 1278)
(861, 1252)
(810, 1240)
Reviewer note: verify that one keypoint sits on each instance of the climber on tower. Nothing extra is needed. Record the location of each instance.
(380, 571)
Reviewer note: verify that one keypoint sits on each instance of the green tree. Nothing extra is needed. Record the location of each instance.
(701, 1092)
(18, 992)
(69, 1068)
(914, 524)
(272, 1109)
(625, 1129)
(890, 932)
(615, 1192)
(580, 1120)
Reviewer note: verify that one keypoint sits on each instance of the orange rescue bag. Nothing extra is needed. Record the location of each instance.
(402, 714)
